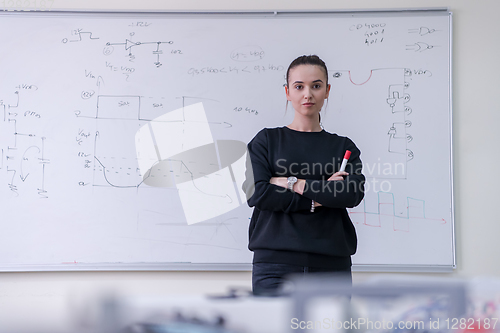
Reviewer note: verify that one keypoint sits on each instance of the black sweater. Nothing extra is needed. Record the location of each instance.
(282, 228)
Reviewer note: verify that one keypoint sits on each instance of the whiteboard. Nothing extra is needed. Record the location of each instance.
(123, 136)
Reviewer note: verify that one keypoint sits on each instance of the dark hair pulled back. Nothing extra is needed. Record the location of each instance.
(307, 60)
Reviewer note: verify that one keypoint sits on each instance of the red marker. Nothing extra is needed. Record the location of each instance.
(344, 161)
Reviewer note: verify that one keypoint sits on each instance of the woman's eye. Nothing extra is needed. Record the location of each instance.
(317, 86)
(298, 87)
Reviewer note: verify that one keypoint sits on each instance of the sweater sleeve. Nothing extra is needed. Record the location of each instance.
(259, 192)
(345, 193)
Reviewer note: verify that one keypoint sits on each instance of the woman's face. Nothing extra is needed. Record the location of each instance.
(307, 89)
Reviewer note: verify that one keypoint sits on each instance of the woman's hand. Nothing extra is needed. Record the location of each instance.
(338, 175)
(279, 181)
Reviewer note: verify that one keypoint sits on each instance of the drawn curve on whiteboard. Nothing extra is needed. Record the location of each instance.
(360, 84)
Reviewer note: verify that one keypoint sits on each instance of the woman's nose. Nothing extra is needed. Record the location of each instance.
(307, 93)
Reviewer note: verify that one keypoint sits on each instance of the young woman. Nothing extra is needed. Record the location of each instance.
(300, 222)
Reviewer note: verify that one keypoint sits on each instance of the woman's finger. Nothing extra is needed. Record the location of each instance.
(338, 175)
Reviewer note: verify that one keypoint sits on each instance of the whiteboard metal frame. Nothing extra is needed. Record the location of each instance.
(190, 267)
(450, 50)
(363, 12)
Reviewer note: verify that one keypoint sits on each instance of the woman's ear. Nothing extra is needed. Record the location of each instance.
(287, 93)
(328, 91)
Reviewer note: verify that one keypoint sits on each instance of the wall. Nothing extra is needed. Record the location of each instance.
(476, 51)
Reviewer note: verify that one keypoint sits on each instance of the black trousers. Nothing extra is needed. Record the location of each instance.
(268, 278)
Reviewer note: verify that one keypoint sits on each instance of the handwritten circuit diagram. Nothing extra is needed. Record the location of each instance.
(128, 45)
(423, 33)
(23, 159)
(390, 162)
(383, 89)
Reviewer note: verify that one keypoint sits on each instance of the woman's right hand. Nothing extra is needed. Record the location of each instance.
(339, 175)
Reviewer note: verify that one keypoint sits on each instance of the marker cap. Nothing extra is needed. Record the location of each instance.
(347, 154)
